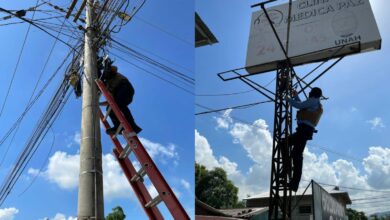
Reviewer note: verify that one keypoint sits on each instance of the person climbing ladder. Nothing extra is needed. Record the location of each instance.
(123, 92)
(308, 116)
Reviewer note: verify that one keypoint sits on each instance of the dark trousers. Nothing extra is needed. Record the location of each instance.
(123, 96)
(298, 142)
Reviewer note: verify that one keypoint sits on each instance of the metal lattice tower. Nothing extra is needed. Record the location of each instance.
(280, 194)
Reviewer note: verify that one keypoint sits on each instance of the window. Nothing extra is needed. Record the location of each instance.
(305, 209)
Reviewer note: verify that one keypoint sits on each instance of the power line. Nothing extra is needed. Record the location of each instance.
(233, 107)
(156, 55)
(351, 188)
(153, 74)
(39, 94)
(234, 93)
(143, 57)
(369, 198)
(164, 31)
(233, 117)
(46, 121)
(37, 26)
(181, 80)
(17, 63)
(227, 94)
(42, 166)
(35, 20)
(335, 152)
(32, 94)
(373, 202)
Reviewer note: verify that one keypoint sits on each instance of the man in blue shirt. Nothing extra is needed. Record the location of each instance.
(308, 116)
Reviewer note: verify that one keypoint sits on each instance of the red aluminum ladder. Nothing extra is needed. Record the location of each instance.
(148, 167)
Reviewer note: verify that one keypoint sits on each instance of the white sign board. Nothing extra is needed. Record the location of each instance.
(326, 207)
(318, 31)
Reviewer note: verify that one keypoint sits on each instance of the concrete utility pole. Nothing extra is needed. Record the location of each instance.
(90, 198)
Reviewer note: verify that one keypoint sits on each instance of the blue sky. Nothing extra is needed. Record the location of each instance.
(161, 30)
(355, 123)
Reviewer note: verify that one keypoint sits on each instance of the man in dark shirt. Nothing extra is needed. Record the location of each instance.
(122, 92)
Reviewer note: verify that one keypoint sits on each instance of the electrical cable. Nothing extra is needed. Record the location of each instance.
(233, 107)
(47, 119)
(154, 62)
(37, 26)
(42, 166)
(172, 76)
(351, 188)
(164, 31)
(39, 94)
(226, 94)
(153, 74)
(17, 64)
(154, 54)
(32, 94)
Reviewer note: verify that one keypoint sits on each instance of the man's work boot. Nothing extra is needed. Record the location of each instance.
(137, 129)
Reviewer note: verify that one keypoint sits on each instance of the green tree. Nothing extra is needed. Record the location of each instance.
(116, 214)
(200, 172)
(214, 188)
(355, 215)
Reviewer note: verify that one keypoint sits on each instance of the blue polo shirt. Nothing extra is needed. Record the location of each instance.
(311, 104)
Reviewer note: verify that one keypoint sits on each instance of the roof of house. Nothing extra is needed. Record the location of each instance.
(237, 213)
(244, 212)
(207, 208)
(331, 190)
(203, 35)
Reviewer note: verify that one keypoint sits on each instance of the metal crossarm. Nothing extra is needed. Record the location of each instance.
(148, 167)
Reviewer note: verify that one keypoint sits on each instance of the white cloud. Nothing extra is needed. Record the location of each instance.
(225, 120)
(8, 213)
(115, 183)
(204, 155)
(60, 216)
(203, 152)
(163, 153)
(256, 141)
(73, 140)
(353, 109)
(317, 167)
(376, 123)
(177, 192)
(33, 171)
(63, 169)
(185, 184)
(76, 138)
(152, 191)
(377, 167)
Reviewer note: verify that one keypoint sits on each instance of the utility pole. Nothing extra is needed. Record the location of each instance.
(90, 197)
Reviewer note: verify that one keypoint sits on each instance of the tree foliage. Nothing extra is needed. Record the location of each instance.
(116, 214)
(214, 188)
(356, 215)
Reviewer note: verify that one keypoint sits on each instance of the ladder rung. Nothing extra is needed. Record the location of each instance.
(107, 113)
(118, 130)
(129, 147)
(126, 152)
(154, 202)
(140, 174)
(130, 134)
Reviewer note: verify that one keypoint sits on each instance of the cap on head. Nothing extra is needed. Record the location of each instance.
(114, 69)
(315, 92)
